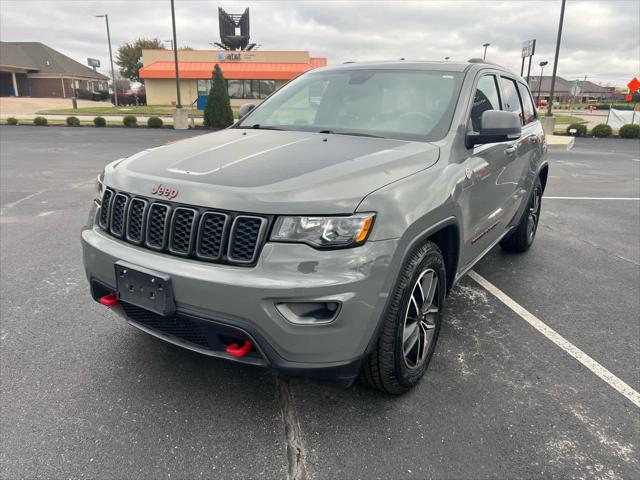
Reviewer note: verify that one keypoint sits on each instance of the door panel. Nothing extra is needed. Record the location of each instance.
(487, 169)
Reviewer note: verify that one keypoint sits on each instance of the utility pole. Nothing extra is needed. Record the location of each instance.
(175, 55)
(113, 75)
(555, 61)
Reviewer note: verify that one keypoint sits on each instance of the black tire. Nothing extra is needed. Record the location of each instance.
(525, 233)
(388, 368)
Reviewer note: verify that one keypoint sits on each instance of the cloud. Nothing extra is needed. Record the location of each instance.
(601, 39)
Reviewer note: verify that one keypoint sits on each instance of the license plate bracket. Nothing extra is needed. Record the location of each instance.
(145, 288)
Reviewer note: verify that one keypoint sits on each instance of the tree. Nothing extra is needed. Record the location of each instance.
(129, 55)
(218, 113)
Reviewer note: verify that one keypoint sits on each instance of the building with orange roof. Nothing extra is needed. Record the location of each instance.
(251, 75)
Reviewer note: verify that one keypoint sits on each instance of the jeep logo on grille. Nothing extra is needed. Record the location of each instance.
(163, 191)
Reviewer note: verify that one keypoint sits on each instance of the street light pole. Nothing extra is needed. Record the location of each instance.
(485, 45)
(175, 55)
(542, 65)
(555, 61)
(113, 75)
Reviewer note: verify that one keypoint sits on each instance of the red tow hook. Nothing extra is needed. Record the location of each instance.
(234, 351)
(109, 300)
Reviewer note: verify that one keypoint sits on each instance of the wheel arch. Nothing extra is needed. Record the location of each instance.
(543, 174)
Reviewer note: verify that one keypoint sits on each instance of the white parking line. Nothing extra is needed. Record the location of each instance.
(633, 199)
(559, 340)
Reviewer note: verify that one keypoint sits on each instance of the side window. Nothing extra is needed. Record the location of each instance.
(486, 98)
(527, 103)
(511, 97)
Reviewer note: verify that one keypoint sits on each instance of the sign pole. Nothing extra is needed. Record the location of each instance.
(555, 61)
(529, 69)
(522, 67)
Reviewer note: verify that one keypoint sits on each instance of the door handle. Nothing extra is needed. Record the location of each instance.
(510, 150)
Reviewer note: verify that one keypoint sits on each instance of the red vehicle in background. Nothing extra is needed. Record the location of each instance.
(131, 97)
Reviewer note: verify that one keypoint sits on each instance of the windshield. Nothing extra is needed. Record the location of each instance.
(404, 104)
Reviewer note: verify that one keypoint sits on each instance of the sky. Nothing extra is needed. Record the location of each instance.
(601, 39)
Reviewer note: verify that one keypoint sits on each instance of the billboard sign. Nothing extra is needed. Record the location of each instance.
(93, 62)
(528, 48)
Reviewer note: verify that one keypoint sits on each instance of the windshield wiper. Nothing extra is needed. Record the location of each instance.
(355, 134)
(262, 127)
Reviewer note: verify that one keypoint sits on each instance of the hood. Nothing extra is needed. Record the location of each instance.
(271, 172)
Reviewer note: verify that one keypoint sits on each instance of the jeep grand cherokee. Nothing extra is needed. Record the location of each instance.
(320, 234)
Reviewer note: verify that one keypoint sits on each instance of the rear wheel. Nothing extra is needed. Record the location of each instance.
(412, 323)
(522, 237)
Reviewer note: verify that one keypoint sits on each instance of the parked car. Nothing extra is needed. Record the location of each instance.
(321, 234)
(131, 97)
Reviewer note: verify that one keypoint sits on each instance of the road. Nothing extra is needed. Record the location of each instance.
(86, 396)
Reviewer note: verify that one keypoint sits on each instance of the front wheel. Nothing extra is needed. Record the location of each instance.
(411, 325)
(522, 237)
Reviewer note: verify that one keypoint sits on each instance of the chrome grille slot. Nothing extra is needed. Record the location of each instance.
(118, 214)
(211, 235)
(183, 225)
(246, 233)
(136, 220)
(105, 206)
(157, 223)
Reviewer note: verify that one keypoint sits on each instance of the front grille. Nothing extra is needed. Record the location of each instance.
(212, 236)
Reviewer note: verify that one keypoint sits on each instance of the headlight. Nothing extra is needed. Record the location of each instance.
(324, 231)
(99, 187)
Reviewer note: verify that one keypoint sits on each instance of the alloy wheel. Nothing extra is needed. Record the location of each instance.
(534, 214)
(420, 320)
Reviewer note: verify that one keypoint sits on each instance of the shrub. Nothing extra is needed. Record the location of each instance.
(12, 121)
(73, 122)
(130, 121)
(99, 122)
(602, 130)
(41, 121)
(218, 113)
(580, 129)
(154, 122)
(629, 131)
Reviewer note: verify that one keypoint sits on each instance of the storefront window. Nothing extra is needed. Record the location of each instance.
(203, 87)
(248, 89)
(235, 88)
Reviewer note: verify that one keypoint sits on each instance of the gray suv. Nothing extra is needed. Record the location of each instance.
(321, 233)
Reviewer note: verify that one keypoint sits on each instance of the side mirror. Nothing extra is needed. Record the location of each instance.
(245, 109)
(496, 126)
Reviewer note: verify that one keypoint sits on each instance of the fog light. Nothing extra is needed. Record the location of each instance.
(309, 313)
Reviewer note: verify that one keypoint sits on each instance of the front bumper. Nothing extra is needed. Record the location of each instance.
(244, 298)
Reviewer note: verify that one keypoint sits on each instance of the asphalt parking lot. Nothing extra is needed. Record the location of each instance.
(84, 395)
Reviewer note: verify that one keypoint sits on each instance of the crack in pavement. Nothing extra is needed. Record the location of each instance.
(295, 448)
